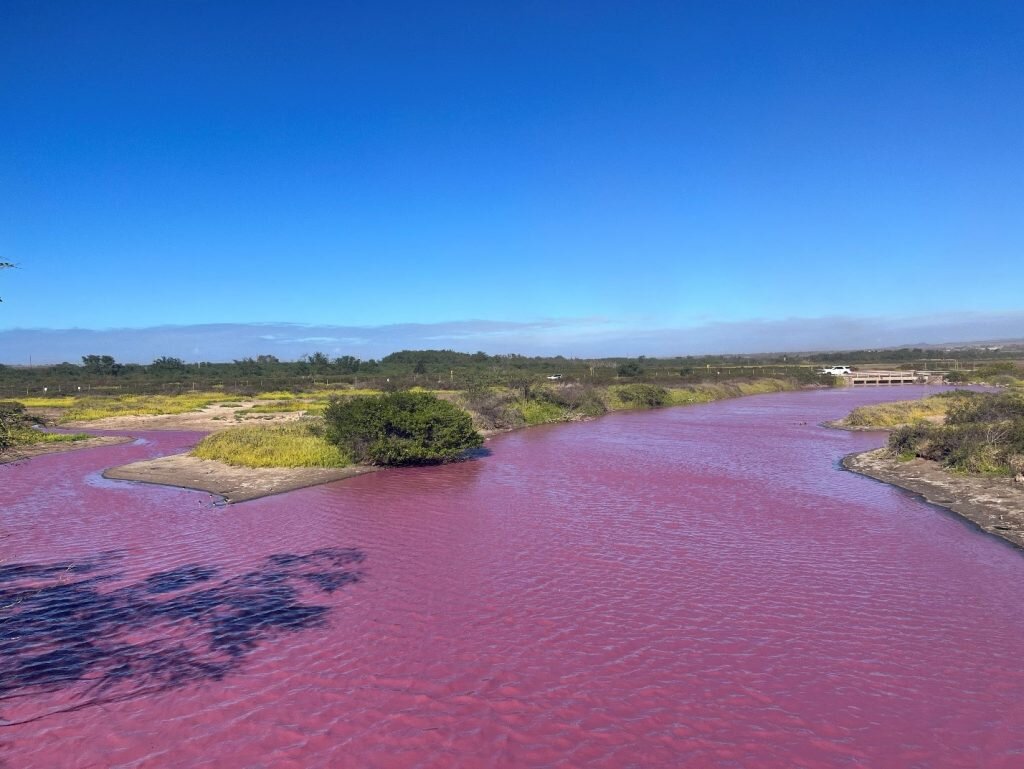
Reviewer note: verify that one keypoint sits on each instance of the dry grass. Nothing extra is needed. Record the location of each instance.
(899, 413)
(298, 444)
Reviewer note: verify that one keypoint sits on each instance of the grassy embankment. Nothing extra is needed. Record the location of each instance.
(887, 416)
(302, 444)
(982, 433)
(494, 408)
(501, 409)
(17, 429)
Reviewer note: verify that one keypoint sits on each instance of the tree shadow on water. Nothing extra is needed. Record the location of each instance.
(73, 635)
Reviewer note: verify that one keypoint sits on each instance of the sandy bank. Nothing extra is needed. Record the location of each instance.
(37, 449)
(995, 504)
(235, 484)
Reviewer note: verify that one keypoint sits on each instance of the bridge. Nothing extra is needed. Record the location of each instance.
(892, 377)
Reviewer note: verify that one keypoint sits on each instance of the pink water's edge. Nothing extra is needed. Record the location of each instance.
(700, 586)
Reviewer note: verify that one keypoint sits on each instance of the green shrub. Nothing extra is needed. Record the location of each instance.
(574, 398)
(641, 395)
(13, 421)
(540, 412)
(983, 433)
(491, 407)
(16, 429)
(400, 428)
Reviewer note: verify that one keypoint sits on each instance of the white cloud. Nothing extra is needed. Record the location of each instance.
(579, 337)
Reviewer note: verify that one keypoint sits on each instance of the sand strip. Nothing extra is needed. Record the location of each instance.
(234, 484)
(994, 504)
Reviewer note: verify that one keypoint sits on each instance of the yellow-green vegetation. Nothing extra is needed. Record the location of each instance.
(983, 433)
(16, 429)
(325, 395)
(540, 412)
(277, 407)
(634, 396)
(496, 408)
(42, 403)
(299, 444)
(89, 408)
(686, 396)
(275, 395)
(30, 437)
(898, 413)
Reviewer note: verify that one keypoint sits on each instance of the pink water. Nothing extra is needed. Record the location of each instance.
(699, 587)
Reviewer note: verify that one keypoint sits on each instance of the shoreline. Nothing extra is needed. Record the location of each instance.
(28, 451)
(233, 484)
(241, 484)
(992, 503)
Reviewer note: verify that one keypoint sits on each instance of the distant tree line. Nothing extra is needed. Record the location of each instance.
(439, 369)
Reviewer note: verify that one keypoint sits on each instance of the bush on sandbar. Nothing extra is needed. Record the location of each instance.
(400, 428)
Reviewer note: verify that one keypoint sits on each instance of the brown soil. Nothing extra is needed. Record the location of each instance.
(37, 449)
(235, 484)
(994, 504)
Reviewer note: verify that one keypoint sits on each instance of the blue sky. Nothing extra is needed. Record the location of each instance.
(585, 168)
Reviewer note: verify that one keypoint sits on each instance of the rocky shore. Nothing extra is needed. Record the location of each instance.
(994, 504)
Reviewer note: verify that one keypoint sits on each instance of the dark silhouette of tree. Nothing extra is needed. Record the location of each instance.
(168, 364)
(100, 364)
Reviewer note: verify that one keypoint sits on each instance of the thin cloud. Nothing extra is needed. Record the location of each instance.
(579, 337)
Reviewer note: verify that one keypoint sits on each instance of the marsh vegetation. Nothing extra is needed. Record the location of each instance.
(982, 433)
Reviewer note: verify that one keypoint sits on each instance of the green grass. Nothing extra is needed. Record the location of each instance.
(983, 434)
(536, 412)
(297, 444)
(29, 437)
(688, 397)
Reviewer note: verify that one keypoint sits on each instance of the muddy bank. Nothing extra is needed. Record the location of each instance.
(994, 504)
(37, 449)
(234, 484)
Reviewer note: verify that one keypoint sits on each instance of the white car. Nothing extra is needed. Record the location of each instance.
(836, 370)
